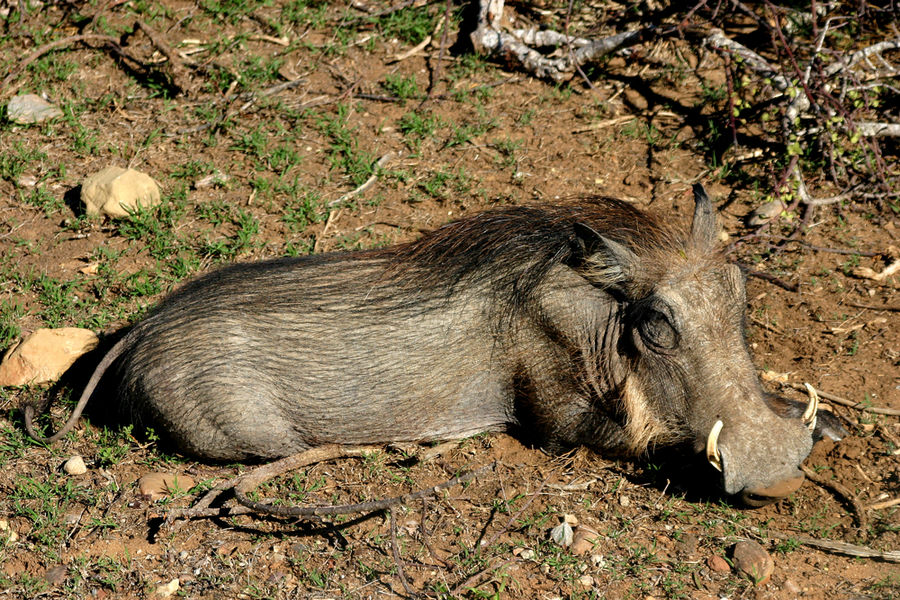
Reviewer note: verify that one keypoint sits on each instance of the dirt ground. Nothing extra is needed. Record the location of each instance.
(285, 158)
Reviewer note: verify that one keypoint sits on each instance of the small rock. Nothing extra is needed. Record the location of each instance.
(214, 179)
(752, 559)
(156, 486)
(718, 564)
(167, 589)
(624, 500)
(586, 580)
(584, 540)
(571, 520)
(562, 534)
(791, 587)
(5, 531)
(56, 575)
(26, 181)
(75, 466)
(598, 560)
(635, 99)
(44, 355)
(72, 518)
(524, 553)
(115, 191)
(31, 108)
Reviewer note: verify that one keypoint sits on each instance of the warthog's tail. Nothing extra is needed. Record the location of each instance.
(110, 357)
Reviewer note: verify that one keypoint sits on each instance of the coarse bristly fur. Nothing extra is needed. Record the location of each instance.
(584, 323)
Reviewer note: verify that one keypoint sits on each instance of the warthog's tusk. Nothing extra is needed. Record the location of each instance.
(712, 446)
(809, 416)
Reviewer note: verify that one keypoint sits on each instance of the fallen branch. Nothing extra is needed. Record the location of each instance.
(844, 402)
(379, 164)
(842, 548)
(514, 47)
(838, 489)
(181, 78)
(884, 504)
(262, 474)
(48, 47)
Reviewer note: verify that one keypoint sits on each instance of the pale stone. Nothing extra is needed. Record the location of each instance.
(168, 589)
(75, 466)
(156, 486)
(562, 534)
(44, 355)
(31, 108)
(115, 191)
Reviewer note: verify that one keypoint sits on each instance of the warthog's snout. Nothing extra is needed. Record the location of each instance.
(756, 470)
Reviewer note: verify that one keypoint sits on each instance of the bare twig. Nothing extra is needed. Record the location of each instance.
(379, 164)
(838, 489)
(842, 548)
(395, 551)
(48, 47)
(884, 504)
(791, 287)
(181, 78)
(844, 402)
(514, 47)
(261, 474)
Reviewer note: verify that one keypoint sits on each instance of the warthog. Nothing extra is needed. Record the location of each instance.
(591, 323)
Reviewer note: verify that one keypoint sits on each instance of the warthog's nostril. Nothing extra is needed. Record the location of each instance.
(757, 497)
(712, 446)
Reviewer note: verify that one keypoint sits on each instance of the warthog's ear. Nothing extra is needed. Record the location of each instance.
(602, 261)
(704, 231)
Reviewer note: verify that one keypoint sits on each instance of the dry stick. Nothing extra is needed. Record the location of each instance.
(885, 504)
(518, 513)
(262, 474)
(470, 581)
(890, 308)
(838, 489)
(180, 75)
(842, 548)
(42, 50)
(395, 550)
(791, 287)
(379, 164)
(513, 47)
(843, 401)
(436, 74)
(295, 461)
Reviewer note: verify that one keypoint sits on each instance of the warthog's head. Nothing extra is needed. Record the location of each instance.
(687, 370)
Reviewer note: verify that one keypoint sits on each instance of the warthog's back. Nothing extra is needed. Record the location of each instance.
(262, 360)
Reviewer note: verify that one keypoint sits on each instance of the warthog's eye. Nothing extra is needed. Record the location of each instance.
(657, 331)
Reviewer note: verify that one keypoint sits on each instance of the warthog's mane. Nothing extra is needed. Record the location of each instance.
(511, 250)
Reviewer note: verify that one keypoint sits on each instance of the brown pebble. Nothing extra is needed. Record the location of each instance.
(584, 540)
(718, 564)
(156, 486)
(752, 559)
